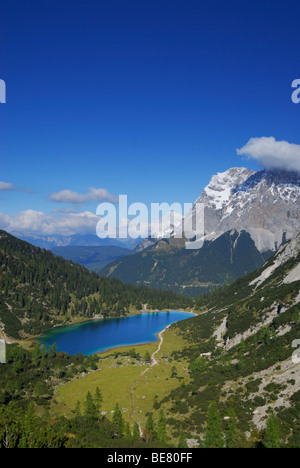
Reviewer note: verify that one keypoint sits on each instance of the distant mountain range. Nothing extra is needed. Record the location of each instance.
(87, 240)
(248, 215)
(93, 258)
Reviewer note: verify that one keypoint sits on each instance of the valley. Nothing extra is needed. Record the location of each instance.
(149, 227)
(236, 351)
(222, 378)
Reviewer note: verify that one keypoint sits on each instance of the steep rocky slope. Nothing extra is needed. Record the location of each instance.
(265, 203)
(243, 351)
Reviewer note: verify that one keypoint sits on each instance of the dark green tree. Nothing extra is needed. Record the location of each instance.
(272, 434)
(213, 437)
(162, 428)
(231, 430)
(127, 431)
(98, 400)
(136, 431)
(182, 442)
(118, 422)
(90, 411)
(78, 409)
(150, 428)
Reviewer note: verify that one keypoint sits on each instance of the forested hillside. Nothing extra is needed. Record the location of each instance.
(27, 384)
(39, 290)
(169, 265)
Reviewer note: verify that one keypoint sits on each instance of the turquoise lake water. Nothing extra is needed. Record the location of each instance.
(100, 335)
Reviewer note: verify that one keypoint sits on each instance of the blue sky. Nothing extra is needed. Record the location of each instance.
(148, 99)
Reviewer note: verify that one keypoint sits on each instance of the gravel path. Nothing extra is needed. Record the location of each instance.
(154, 362)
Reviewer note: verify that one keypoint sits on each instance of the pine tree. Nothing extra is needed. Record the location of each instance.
(46, 414)
(53, 350)
(78, 409)
(98, 400)
(182, 443)
(150, 427)
(127, 431)
(213, 437)
(242, 349)
(272, 433)
(162, 428)
(29, 435)
(117, 421)
(136, 431)
(89, 407)
(36, 355)
(231, 431)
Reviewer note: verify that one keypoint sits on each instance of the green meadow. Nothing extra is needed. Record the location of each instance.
(129, 381)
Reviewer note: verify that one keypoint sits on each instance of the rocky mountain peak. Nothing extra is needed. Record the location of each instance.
(264, 203)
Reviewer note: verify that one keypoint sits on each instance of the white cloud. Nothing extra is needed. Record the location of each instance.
(37, 222)
(32, 222)
(8, 186)
(64, 210)
(68, 196)
(161, 226)
(273, 154)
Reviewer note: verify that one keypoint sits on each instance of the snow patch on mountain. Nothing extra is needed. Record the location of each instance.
(264, 203)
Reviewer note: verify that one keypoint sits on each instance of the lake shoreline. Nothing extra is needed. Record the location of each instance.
(114, 331)
(100, 317)
(135, 345)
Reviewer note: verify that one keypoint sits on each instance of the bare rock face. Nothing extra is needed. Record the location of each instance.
(288, 251)
(265, 203)
(148, 242)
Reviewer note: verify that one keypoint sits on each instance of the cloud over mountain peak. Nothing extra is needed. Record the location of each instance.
(273, 154)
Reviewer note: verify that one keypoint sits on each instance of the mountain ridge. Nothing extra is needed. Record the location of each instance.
(169, 265)
(76, 240)
(263, 204)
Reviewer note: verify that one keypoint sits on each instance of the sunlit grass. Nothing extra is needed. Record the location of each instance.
(117, 376)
